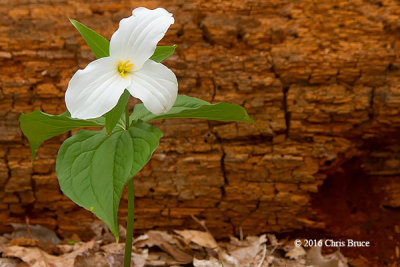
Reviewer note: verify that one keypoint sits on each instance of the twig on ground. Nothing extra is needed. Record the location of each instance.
(263, 257)
(28, 228)
(202, 223)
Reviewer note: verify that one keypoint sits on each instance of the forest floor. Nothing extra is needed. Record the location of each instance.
(37, 246)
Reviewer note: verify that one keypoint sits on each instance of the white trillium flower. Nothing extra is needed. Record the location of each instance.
(96, 89)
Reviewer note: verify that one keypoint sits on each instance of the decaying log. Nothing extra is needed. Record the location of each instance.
(321, 78)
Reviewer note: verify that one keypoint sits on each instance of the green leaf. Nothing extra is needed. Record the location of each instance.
(113, 116)
(97, 43)
(38, 126)
(191, 107)
(92, 168)
(162, 52)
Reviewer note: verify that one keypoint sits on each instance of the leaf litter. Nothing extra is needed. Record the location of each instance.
(37, 246)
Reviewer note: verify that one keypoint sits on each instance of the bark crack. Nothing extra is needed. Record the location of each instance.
(8, 168)
(288, 114)
(371, 104)
(222, 163)
(285, 90)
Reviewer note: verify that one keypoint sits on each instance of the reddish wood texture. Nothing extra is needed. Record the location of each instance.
(320, 78)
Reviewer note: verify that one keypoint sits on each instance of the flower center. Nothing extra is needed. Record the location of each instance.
(124, 68)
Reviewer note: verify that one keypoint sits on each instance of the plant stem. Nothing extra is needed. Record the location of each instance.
(129, 226)
(131, 209)
(126, 117)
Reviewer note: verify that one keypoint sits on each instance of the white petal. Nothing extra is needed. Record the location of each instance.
(138, 35)
(95, 90)
(156, 86)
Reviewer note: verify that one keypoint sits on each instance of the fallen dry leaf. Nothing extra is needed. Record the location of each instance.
(84, 249)
(66, 248)
(11, 263)
(35, 257)
(213, 262)
(102, 232)
(114, 253)
(314, 257)
(158, 248)
(296, 253)
(273, 241)
(228, 260)
(161, 259)
(99, 229)
(245, 251)
(201, 238)
(140, 260)
(114, 248)
(91, 260)
(3, 242)
(167, 243)
(115, 259)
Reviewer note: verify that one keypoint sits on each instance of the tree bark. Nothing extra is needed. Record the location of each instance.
(321, 79)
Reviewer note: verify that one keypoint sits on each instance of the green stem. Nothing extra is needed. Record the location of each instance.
(126, 117)
(131, 209)
(129, 226)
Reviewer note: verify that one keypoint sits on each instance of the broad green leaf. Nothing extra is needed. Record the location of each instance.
(162, 52)
(93, 167)
(191, 107)
(38, 126)
(97, 43)
(112, 117)
(100, 46)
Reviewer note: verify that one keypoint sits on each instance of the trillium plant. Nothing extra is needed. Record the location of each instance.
(94, 166)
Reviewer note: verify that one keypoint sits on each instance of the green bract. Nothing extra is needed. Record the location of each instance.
(100, 46)
(97, 43)
(162, 52)
(94, 166)
(113, 116)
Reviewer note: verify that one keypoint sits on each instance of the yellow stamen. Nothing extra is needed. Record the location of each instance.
(124, 68)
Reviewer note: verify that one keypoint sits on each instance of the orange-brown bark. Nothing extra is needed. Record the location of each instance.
(320, 78)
